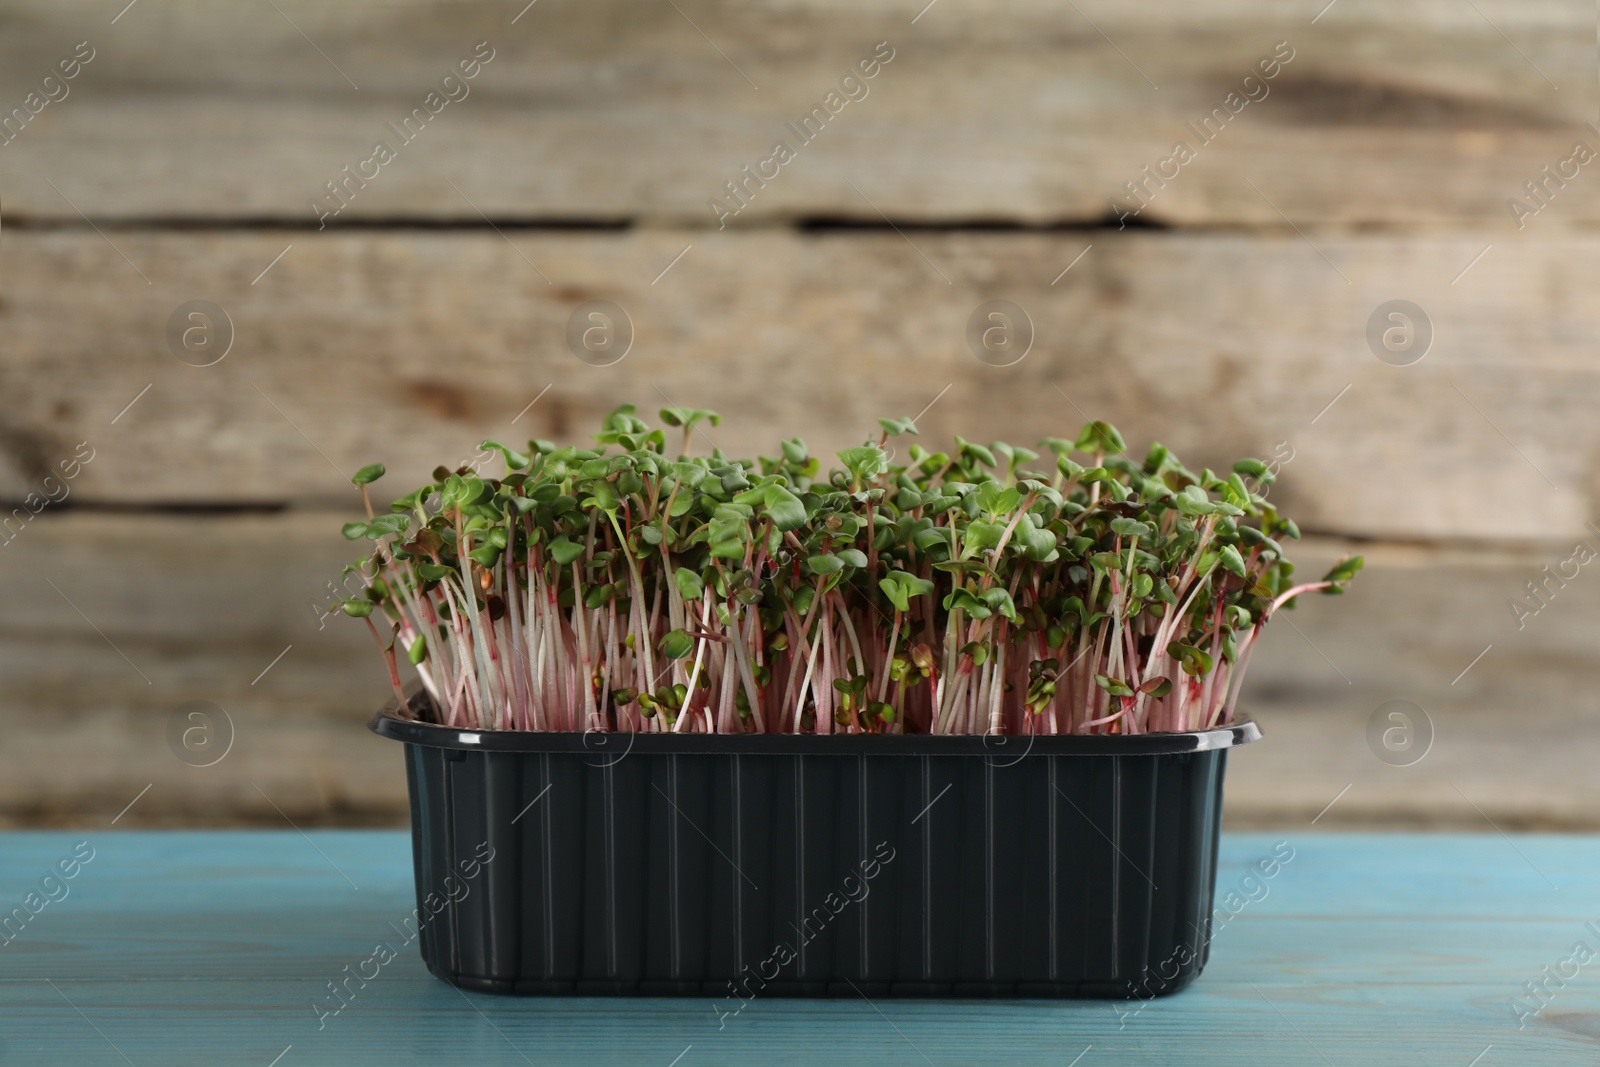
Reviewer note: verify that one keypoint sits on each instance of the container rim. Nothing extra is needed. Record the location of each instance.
(386, 723)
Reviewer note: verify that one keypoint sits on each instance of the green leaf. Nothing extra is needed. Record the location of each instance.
(1193, 501)
(1254, 537)
(1000, 600)
(984, 534)
(733, 548)
(824, 563)
(454, 493)
(690, 474)
(1158, 686)
(357, 609)
(997, 499)
(1039, 544)
(681, 416)
(864, 463)
(784, 508)
(1067, 467)
(1157, 459)
(354, 531)
(629, 482)
(368, 474)
(794, 451)
(969, 602)
(1232, 560)
(1019, 455)
(1099, 437)
(900, 587)
(1056, 445)
(1195, 663)
(852, 556)
(977, 452)
(1131, 528)
(1254, 468)
(603, 495)
(623, 417)
(690, 586)
(676, 644)
(565, 550)
(896, 427)
(387, 524)
(418, 650)
(926, 539)
(1112, 686)
(514, 460)
(1345, 569)
(749, 498)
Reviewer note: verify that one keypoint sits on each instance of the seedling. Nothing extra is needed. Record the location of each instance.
(969, 592)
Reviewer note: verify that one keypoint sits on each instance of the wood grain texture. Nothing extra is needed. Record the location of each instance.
(133, 621)
(1415, 114)
(203, 948)
(412, 347)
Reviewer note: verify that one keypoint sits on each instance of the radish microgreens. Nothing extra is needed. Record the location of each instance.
(977, 591)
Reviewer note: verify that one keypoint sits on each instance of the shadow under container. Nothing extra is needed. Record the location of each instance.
(669, 864)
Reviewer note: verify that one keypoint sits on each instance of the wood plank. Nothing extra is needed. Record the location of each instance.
(1426, 114)
(1433, 932)
(1435, 628)
(135, 620)
(225, 610)
(412, 347)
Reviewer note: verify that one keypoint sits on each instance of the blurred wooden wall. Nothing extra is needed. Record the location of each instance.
(986, 159)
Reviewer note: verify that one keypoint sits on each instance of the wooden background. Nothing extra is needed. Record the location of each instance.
(200, 541)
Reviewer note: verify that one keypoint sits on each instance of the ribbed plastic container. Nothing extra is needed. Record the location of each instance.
(649, 864)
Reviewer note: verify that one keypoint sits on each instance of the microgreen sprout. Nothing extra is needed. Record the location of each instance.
(979, 591)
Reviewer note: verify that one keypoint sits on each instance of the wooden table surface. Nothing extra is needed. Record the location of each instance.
(210, 948)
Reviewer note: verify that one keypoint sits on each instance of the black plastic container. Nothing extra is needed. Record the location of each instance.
(560, 863)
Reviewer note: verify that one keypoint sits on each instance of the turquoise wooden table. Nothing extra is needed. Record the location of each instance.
(216, 948)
